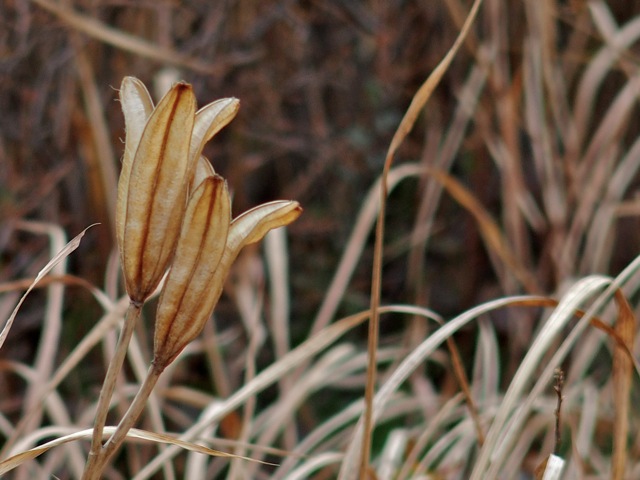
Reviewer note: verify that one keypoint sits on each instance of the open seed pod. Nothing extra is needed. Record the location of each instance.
(207, 247)
(187, 298)
(162, 147)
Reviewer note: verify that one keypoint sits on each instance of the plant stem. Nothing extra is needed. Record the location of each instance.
(115, 366)
(128, 421)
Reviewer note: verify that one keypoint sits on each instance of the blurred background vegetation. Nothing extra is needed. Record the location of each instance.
(323, 85)
(526, 118)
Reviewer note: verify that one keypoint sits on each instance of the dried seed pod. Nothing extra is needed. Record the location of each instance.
(204, 169)
(161, 151)
(188, 299)
(254, 224)
(136, 107)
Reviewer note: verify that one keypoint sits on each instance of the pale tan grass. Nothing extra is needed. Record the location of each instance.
(507, 423)
(55, 407)
(453, 446)
(248, 293)
(268, 376)
(139, 358)
(543, 149)
(318, 462)
(394, 447)
(323, 434)
(66, 435)
(597, 69)
(356, 243)
(588, 407)
(417, 357)
(629, 282)
(449, 411)
(539, 424)
(71, 361)
(505, 90)
(581, 292)
(565, 167)
(600, 234)
(196, 465)
(404, 128)
(276, 258)
(486, 365)
(49, 341)
(597, 166)
(330, 367)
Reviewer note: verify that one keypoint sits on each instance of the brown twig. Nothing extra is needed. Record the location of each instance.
(559, 378)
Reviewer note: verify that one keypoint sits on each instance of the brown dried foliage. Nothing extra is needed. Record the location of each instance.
(531, 144)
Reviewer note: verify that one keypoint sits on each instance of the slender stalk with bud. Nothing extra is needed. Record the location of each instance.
(173, 214)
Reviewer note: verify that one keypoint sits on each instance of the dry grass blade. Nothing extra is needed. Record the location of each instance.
(14, 461)
(74, 358)
(61, 255)
(120, 39)
(489, 229)
(417, 104)
(461, 376)
(423, 351)
(625, 327)
(507, 424)
(272, 374)
(103, 149)
(277, 262)
(356, 243)
(508, 171)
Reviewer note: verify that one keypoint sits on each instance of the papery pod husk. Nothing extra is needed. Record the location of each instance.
(157, 190)
(188, 296)
(210, 119)
(254, 224)
(137, 106)
(204, 169)
(251, 227)
(248, 228)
